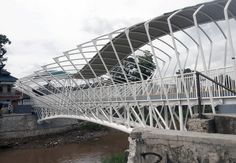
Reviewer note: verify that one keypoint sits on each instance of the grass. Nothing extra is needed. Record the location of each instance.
(115, 158)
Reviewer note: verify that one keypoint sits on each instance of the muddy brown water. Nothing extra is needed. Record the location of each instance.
(89, 151)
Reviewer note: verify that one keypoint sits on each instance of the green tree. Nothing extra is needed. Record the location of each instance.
(185, 71)
(3, 41)
(146, 65)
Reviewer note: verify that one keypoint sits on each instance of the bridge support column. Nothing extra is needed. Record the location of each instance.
(128, 115)
(181, 119)
(111, 114)
(150, 116)
(166, 114)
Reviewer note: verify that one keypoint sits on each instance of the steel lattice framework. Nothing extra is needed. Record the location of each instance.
(80, 84)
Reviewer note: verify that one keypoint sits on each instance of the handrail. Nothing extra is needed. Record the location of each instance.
(217, 83)
(198, 74)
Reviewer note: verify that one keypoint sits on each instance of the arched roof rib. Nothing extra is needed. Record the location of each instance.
(180, 21)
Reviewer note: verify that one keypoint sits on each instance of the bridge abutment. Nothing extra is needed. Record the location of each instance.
(166, 146)
(200, 145)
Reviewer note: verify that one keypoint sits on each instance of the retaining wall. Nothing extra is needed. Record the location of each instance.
(225, 124)
(167, 146)
(25, 125)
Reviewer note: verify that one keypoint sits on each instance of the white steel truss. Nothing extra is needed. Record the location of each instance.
(91, 82)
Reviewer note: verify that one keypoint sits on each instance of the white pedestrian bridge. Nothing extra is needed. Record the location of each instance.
(157, 73)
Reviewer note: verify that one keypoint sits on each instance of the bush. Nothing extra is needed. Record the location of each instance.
(115, 158)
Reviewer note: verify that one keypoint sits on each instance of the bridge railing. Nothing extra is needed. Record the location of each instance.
(155, 90)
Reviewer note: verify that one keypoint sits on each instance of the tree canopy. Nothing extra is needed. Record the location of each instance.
(3, 41)
(185, 71)
(145, 62)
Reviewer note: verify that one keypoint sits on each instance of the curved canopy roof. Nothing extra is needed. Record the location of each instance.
(158, 27)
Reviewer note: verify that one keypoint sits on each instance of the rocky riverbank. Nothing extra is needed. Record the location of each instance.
(79, 133)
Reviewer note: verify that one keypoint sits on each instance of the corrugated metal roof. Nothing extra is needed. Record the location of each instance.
(158, 27)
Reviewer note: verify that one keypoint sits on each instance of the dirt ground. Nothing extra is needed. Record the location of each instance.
(45, 141)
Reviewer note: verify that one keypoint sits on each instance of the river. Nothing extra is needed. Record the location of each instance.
(89, 151)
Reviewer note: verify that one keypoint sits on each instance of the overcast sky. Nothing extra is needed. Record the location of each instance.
(42, 29)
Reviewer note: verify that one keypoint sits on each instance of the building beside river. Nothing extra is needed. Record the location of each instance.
(8, 95)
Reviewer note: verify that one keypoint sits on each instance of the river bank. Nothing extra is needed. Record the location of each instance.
(82, 132)
(91, 149)
(23, 140)
(25, 125)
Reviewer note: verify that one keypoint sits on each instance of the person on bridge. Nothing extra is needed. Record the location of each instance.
(9, 108)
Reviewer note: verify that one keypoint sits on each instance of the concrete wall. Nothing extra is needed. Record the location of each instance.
(219, 123)
(25, 125)
(166, 146)
(225, 124)
(226, 109)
